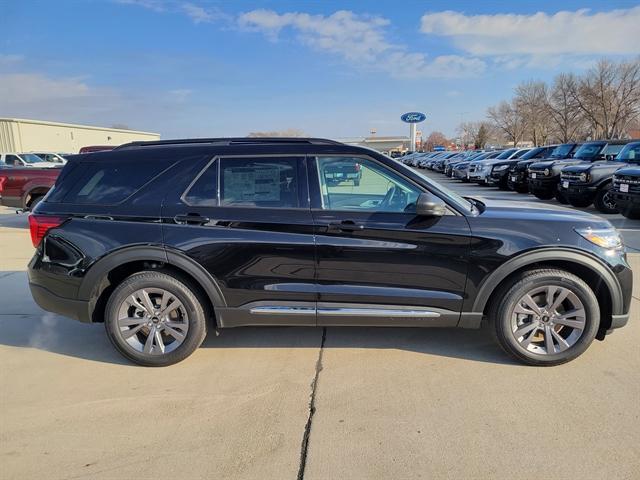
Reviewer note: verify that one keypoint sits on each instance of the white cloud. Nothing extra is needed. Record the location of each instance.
(581, 32)
(202, 15)
(155, 5)
(360, 40)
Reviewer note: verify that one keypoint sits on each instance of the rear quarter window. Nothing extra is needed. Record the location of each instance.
(95, 183)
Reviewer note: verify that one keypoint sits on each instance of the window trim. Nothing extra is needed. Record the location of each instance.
(314, 178)
(302, 177)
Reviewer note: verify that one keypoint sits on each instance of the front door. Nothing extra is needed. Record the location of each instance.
(247, 221)
(378, 262)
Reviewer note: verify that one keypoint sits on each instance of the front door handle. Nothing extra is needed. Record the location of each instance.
(346, 226)
(191, 219)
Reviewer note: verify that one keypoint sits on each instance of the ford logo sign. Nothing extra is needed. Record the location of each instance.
(413, 117)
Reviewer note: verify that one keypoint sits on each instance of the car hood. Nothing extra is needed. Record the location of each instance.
(594, 167)
(523, 211)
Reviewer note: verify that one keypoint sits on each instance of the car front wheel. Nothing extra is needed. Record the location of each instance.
(545, 317)
(155, 319)
(604, 201)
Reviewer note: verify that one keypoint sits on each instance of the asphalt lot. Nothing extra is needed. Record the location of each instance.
(387, 403)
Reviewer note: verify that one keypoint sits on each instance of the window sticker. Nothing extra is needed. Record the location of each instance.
(250, 184)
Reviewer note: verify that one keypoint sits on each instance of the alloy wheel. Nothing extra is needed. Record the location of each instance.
(152, 321)
(548, 320)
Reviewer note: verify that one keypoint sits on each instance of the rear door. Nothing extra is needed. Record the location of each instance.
(379, 263)
(247, 221)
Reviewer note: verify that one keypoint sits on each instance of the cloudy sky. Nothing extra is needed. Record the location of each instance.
(329, 68)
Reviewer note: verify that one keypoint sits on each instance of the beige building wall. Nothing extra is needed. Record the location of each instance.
(19, 135)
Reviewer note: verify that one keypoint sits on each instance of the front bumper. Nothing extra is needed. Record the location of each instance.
(571, 190)
(544, 183)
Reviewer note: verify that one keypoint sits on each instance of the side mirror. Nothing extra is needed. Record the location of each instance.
(428, 205)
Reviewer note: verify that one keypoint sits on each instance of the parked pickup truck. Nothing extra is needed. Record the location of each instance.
(24, 187)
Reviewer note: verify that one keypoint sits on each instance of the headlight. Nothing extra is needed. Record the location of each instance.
(584, 177)
(546, 172)
(500, 168)
(605, 238)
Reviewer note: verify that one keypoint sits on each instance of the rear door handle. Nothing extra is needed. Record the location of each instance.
(346, 226)
(191, 219)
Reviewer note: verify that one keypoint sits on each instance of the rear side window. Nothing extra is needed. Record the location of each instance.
(94, 183)
(261, 182)
(204, 191)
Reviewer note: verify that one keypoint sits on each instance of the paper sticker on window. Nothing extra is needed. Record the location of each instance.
(251, 184)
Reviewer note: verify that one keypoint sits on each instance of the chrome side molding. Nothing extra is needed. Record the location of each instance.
(280, 310)
(377, 312)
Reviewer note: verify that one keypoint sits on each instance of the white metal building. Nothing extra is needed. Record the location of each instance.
(20, 135)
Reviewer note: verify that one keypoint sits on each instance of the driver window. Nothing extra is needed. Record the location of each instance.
(355, 183)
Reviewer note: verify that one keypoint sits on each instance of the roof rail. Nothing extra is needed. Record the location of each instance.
(230, 141)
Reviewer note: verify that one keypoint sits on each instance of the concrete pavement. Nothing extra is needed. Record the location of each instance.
(388, 403)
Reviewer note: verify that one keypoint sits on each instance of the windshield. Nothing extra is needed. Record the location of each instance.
(520, 153)
(588, 151)
(613, 149)
(630, 153)
(561, 151)
(506, 154)
(30, 158)
(531, 153)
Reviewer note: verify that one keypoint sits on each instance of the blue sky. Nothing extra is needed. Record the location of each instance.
(328, 68)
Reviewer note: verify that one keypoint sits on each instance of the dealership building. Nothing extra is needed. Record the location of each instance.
(20, 135)
(382, 144)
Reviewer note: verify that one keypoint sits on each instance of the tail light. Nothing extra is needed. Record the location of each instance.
(2, 180)
(39, 225)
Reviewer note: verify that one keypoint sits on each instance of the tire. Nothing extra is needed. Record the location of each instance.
(543, 194)
(561, 198)
(630, 213)
(191, 313)
(504, 325)
(580, 202)
(34, 202)
(603, 202)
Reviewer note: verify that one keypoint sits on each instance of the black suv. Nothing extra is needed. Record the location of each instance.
(519, 173)
(587, 183)
(162, 240)
(626, 191)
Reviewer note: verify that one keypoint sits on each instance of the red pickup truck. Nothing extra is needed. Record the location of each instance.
(25, 187)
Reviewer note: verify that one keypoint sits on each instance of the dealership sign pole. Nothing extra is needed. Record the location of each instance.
(412, 118)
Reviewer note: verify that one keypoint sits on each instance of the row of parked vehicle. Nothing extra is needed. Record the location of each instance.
(605, 173)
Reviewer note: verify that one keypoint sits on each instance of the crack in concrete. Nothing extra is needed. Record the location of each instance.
(304, 448)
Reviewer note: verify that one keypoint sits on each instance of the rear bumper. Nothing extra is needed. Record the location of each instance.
(49, 301)
(13, 202)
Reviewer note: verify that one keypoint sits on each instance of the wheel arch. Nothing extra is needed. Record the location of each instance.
(106, 273)
(597, 275)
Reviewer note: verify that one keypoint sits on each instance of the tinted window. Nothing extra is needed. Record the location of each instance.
(204, 192)
(360, 184)
(12, 160)
(588, 150)
(259, 182)
(561, 151)
(630, 153)
(534, 153)
(613, 149)
(104, 183)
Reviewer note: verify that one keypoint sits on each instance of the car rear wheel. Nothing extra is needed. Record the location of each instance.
(561, 198)
(604, 201)
(155, 319)
(545, 317)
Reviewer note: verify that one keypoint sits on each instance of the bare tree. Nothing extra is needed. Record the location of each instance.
(477, 133)
(509, 120)
(564, 111)
(290, 132)
(531, 99)
(435, 139)
(609, 97)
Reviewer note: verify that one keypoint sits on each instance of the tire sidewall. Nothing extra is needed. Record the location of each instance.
(197, 321)
(586, 296)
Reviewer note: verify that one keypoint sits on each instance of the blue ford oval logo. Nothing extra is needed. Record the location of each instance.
(413, 117)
